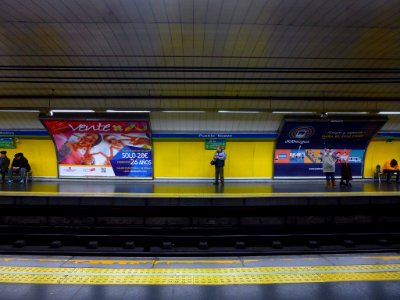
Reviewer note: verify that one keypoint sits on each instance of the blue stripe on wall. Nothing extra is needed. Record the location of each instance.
(39, 132)
(172, 135)
(169, 135)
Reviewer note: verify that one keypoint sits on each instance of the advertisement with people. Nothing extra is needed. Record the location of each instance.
(103, 148)
(302, 142)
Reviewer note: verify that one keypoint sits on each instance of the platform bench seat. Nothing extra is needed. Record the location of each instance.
(27, 177)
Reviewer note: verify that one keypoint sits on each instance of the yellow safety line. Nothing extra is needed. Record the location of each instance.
(131, 261)
(388, 257)
(196, 276)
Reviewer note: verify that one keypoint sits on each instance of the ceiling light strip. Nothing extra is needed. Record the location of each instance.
(183, 111)
(347, 112)
(239, 111)
(389, 113)
(20, 110)
(293, 112)
(127, 111)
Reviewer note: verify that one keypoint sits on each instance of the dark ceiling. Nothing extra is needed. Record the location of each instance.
(186, 49)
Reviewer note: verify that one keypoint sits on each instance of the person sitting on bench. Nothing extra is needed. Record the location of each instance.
(391, 167)
(20, 166)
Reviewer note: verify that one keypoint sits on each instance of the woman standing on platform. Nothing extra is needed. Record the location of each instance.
(328, 165)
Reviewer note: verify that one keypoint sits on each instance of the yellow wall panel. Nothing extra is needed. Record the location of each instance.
(41, 155)
(195, 160)
(378, 152)
(189, 159)
(166, 159)
(263, 165)
(182, 159)
(240, 159)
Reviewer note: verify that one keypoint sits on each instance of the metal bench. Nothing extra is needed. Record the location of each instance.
(27, 177)
(379, 174)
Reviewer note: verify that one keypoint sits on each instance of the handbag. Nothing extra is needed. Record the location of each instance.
(212, 162)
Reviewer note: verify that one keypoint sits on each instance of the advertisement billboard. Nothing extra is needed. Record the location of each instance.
(301, 142)
(102, 147)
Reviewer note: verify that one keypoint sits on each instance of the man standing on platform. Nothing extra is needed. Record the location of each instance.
(20, 165)
(219, 158)
(4, 164)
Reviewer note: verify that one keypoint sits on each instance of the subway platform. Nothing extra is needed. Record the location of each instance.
(194, 189)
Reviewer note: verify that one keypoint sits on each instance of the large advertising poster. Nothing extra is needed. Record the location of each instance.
(301, 142)
(102, 148)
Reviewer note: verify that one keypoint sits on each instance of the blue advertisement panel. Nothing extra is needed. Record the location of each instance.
(302, 141)
(133, 162)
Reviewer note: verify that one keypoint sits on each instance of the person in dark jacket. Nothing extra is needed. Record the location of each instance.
(4, 164)
(219, 163)
(19, 166)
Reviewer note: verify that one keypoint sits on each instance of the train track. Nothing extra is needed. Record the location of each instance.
(195, 243)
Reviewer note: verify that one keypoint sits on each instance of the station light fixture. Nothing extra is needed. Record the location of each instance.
(347, 112)
(389, 113)
(21, 110)
(293, 112)
(127, 111)
(51, 112)
(240, 111)
(184, 111)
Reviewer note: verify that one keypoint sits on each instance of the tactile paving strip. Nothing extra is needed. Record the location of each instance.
(197, 276)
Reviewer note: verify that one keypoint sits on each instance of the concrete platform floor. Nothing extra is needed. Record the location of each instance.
(351, 276)
(190, 189)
